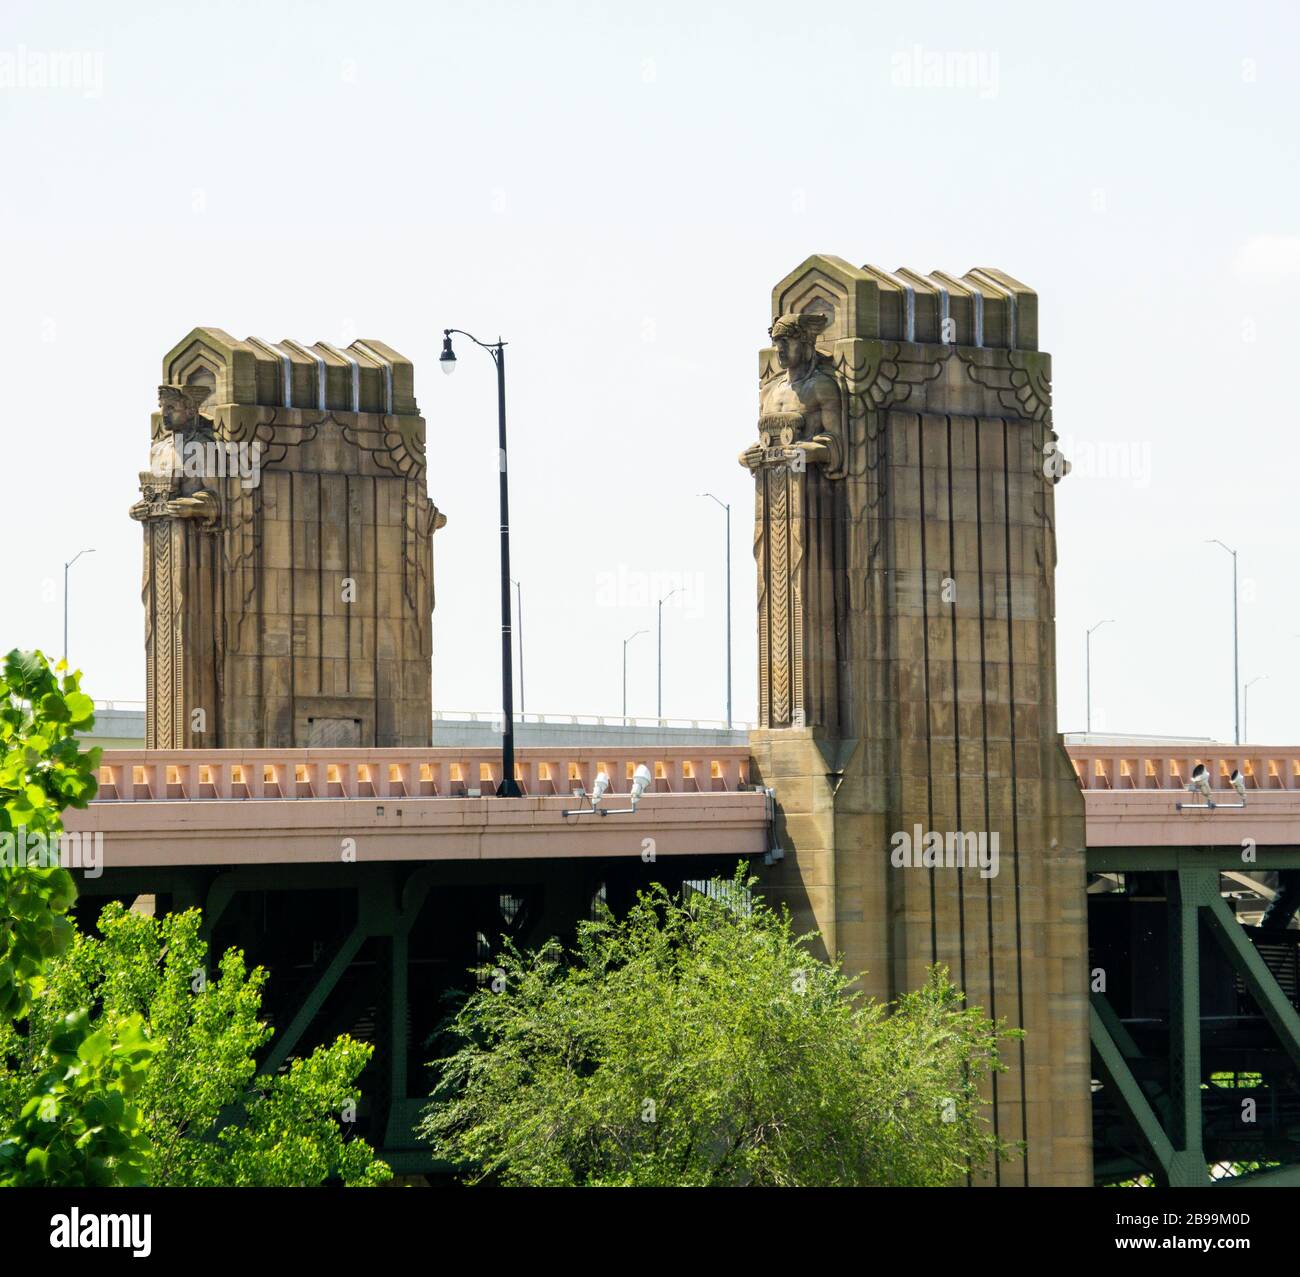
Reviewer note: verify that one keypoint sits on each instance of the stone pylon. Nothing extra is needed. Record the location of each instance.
(904, 538)
(288, 556)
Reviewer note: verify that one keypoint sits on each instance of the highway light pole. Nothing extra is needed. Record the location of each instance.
(727, 508)
(66, 566)
(659, 705)
(1236, 672)
(1087, 641)
(626, 641)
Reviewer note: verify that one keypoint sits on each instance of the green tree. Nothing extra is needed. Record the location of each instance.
(208, 1117)
(699, 1042)
(77, 1122)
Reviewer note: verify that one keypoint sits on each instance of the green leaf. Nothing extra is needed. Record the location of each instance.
(95, 1047)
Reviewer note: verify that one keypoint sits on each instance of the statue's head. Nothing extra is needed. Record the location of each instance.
(795, 338)
(180, 405)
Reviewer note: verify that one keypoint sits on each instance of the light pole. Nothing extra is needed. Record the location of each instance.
(519, 612)
(660, 700)
(727, 508)
(1245, 706)
(509, 786)
(1236, 674)
(626, 641)
(1087, 643)
(66, 566)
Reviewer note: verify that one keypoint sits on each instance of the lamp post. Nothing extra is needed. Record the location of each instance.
(1245, 706)
(626, 641)
(509, 786)
(519, 612)
(1087, 642)
(660, 701)
(66, 566)
(726, 506)
(1236, 673)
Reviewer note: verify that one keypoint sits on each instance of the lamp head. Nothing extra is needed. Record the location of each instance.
(1200, 781)
(599, 788)
(640, 783)
(447, 360)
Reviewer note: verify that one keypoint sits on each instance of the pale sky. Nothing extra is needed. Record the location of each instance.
(615, 189)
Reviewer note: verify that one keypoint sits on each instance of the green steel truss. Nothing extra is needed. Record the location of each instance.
(1170, 1126)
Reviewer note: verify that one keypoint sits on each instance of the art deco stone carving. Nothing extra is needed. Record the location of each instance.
(800, 451)
(288, 569)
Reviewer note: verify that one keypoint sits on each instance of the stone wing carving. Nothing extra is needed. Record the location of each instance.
(393, 442)
(1023, 381)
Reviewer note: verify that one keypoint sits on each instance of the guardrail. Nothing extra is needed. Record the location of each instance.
(489, 717)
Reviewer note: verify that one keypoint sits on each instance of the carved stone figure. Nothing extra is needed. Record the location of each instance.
(167, 492)
(799, 452)
(802, 410)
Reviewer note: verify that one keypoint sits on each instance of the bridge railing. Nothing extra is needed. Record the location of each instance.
(1122, 768)
(127, 775)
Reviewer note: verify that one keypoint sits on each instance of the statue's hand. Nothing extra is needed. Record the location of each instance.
(140, 510)
(201, 507)
(752, 457)
(807, 452)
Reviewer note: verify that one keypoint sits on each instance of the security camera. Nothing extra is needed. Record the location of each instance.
(1200, 781)
(640, 783)
(1238, 782)
(599, 788)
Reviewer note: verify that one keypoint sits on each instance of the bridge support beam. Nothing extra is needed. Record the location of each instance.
(1187, 892)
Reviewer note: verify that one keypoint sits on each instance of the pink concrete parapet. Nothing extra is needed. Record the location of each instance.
(229, 807)
(127, 775)
(1163, 767)
(1131, 793)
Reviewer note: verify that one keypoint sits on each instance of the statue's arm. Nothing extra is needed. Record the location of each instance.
(823, 449)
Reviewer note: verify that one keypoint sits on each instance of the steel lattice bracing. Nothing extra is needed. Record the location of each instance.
(1203, 1068)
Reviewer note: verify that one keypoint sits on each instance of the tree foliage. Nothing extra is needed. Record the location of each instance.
(699, 1042)
(120, 1062)
(208, 1117)
(77, 1122)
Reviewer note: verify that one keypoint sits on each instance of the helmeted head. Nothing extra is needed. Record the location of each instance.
(180, 405)
(795, 337)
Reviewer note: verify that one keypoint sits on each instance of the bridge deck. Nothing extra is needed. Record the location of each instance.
(248, 806)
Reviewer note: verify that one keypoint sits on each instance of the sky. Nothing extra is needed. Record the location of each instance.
(614, 189)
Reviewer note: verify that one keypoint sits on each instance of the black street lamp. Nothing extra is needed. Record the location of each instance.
(509, 787)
